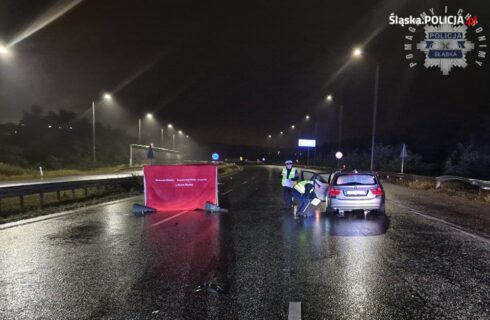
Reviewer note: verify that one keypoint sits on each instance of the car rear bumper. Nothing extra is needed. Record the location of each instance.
(371, 204)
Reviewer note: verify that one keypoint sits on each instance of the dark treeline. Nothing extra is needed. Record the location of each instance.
(470, 160)
(61, 139)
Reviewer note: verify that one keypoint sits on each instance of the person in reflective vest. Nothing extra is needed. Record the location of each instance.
(288, 176)
(303, 192)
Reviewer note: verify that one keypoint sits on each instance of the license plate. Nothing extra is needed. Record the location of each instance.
(355, 193)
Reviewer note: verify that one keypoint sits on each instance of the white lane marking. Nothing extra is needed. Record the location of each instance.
(169, 218)
(449, 224)
(294, 311)
(226, 192)
(244, 182)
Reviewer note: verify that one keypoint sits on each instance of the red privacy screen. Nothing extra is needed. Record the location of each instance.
(180, 187)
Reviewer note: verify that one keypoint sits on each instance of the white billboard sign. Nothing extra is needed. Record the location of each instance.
(306, 143)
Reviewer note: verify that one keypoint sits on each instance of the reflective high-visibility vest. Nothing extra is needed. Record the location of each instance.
(300, 186)
(285, 178)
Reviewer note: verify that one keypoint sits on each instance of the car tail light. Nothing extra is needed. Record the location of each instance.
(332, 192)
(377, 191)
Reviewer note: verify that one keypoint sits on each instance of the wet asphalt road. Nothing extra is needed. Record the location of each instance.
(104, 263)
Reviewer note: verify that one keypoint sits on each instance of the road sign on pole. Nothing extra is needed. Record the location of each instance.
(403, 155)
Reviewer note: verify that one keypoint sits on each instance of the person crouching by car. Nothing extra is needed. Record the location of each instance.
(288, 177)
(303, 194)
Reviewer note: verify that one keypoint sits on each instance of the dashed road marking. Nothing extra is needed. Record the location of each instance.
(449, 224)
(169, 218)
(244, 182)
(294, 311)
(226, 192)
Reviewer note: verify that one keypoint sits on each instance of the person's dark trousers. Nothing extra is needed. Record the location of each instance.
(301, 199)
(287, 194)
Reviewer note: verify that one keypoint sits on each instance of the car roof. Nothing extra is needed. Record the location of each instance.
(354, 171)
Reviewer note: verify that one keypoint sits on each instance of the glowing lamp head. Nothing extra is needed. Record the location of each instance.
(357, 52)
(170, 126)
(329, 97)
(3, 50)
(307, 117)
(107, 96)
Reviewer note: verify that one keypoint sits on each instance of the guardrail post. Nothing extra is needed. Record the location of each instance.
(21, 200)
(58, 196)
(73, 193)
(86, 192)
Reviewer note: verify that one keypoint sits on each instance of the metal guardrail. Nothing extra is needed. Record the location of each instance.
(59, 186)
(411, 177)
(482, 184)
(43, 187)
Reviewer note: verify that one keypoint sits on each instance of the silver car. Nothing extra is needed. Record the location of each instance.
(353, 190)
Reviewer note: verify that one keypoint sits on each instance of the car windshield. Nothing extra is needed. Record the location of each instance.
(355, 179)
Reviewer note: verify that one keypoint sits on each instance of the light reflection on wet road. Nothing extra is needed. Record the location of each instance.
(104, 263)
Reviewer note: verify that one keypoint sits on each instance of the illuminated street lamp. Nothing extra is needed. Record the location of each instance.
(307, 117)
(148, 116)
(293, 126)
(281, 133)
(107, 97)
(329, 98)
(170, 126)
(4, 50)
(269, 136)
(357, 54)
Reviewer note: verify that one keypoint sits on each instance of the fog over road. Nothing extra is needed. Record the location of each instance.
(103, 263)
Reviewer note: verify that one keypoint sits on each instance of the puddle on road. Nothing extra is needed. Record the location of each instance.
(80, 234)
(350, 225)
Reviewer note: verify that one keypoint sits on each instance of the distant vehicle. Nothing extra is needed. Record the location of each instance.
(353, 190)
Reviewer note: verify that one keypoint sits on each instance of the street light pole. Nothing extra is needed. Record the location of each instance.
(173, 141)
(93, 131)
(161, 136)
(139, 131)
(339, 145)
(375, 110)
(341, 112)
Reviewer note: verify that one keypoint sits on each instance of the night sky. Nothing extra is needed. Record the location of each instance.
(234, 71)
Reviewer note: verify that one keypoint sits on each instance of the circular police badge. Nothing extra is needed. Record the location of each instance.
(445, 41)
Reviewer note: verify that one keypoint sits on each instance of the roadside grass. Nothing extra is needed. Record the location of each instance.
(421, 185)
(456, 188)
(226, 169)
(10, 172)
